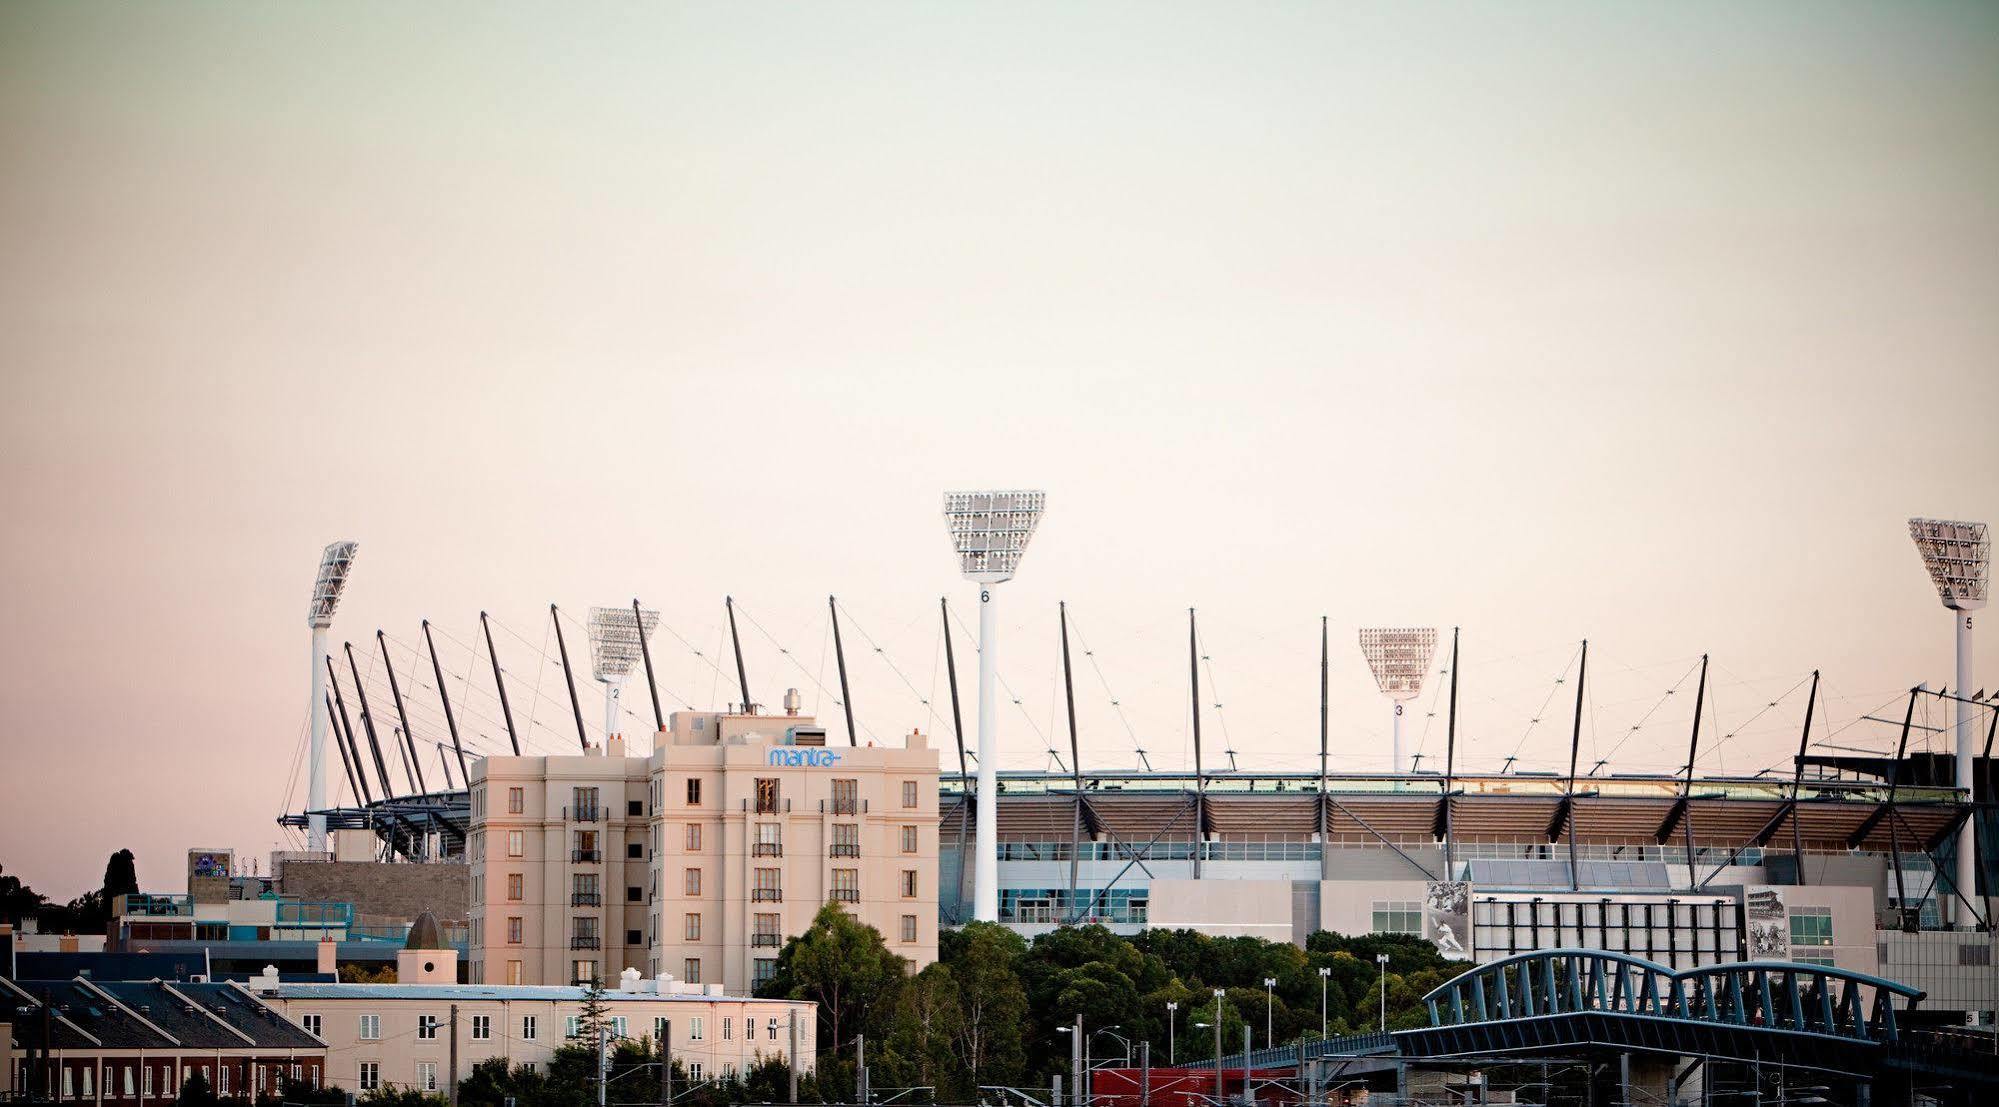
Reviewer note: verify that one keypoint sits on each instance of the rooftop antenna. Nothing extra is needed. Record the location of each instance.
(1399, 658)
(989, 532)
(617, 642)
(1959, 557)
(335, 563)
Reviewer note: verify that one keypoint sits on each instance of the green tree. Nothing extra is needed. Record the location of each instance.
(387, 1096)
(18, 902)
(596, 1015)
(926, 1021)
(984, 959)
(121, 877)
(841, 964)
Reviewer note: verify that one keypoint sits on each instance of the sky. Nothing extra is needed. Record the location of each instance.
(1646, 323)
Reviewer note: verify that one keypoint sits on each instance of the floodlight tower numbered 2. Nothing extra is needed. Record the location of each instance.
(989, 531)
(1959, 557)
(334, 565)
(617, 635)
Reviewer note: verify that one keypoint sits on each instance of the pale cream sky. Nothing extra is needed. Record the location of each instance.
(1646, 322)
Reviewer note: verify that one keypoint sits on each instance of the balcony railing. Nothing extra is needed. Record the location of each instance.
(586, 856)
(842, 807)
(767, 849)
(583, 814)
(766, 895)
(585, 941)
(586, 899)
(766, 941)
(844, 849)
(845, 895)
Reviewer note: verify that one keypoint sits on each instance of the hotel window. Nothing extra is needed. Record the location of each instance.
(766, 888)
(693, 882)
(690, 970)
(517, 843)
(764, 932)
(659, 1029)
(516, 887)
(767, 795)
(1811, 935)
(370, 1076)
(513, 972)
(691, 930)
(909, 928)
(909, 883)
(694, 793)
(1398, 918)
(482, 1028)
(846, 840)
(846, 797)
(694, 837)
(634, 894)
(749, 1029)
(426, 1027)
(572, 1027)
(634, 937)
(762, 969)
(635, 851)
(635, 809)
(583, 890)
(909, 793)
(529, 1029)
(513, 930)
(583, 804)
(847, 885)
(426, 1076)
(583, 972)
(310, 1023)
(770, 841)
(371, 1027)
(728, 1029)
(909, 839)
(517, 801)
(694, 1031)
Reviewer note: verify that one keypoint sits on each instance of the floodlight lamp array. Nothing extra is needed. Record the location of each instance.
(990, 530)
(334, 565)
(1399, 657)
(1959, 557)
(615, 638)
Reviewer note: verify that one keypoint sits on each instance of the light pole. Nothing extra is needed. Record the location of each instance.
(1381, 959)
(616, 634)
(1399, 658)
(1958, 556)
(1325, 974)
(1078, 1061)
(1122, 1040)
(1269, 1008)
(1219, 1097)
(335, 562)
(1172, 1055)
(989, 531)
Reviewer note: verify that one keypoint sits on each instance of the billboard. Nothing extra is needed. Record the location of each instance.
(1767, 922)
(1447, 917)
(210, 862)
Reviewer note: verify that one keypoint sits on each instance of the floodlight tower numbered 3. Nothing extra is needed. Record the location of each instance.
(1399, 657)
(1959, 558)
(616, 635)
(989, 531)
(334, 565)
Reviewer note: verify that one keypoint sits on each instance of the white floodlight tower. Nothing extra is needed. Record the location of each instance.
(615, 637)
(990, 531)
(334, 565)
(1400, 659)
(1959, 558)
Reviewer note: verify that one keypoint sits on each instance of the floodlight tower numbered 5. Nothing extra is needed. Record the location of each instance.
(1959, 558)
(989, 531)
(616, 634)
(334, 565)
(1399, 657)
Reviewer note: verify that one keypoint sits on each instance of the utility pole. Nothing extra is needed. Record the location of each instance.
(1145, 1073)
(794, 1055)
(666, 1063)
(1220, 1095)
(861, 1068)
(603, 1064)
(1248, 1093)
(454, 1055)
(1076, 1077)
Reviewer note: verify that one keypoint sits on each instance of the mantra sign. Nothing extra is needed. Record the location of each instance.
(794, 757)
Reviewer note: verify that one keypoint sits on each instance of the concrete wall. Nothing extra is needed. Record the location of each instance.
(385, 890)
(1224, 908)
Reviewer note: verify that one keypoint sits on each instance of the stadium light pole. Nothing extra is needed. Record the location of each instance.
(1399, 657)
(616, 637)
(989, 531)
(335, 562)
(1959, 557)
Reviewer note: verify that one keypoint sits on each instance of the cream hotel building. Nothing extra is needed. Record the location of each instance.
(699, 861)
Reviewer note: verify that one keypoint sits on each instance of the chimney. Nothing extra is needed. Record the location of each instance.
(328, 956)
(791, 701)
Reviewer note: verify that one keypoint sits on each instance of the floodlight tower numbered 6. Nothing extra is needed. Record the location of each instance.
(1399, 657)
(989, 531)
(1959, 558)
(616, 634)
(334, 565)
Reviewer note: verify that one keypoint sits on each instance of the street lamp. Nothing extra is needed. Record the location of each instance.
(1269, 1005)
(1959, 558)
(616, 635)
(1399, 657)
(1122, 1040)
(990, 532)
(1325, 974)
(1381, 959)
(335, 562)
(1171, 1053)
(1079, 1063)
(1219, 1096)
